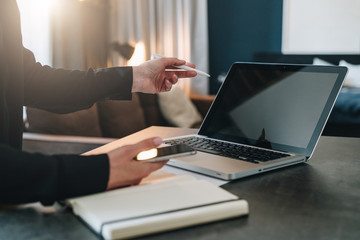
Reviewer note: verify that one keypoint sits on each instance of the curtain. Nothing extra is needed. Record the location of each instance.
(79, 33)
(168, 27)
(82, 33)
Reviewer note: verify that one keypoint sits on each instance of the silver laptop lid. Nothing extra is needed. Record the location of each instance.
(276, 106)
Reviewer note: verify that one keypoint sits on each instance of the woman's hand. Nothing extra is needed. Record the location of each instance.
(124, 170)
(159, 75)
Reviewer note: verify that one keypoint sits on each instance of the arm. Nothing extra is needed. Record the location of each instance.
(26, 177)
(60, 90)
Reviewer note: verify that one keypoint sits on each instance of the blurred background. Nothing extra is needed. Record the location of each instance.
(212, 34)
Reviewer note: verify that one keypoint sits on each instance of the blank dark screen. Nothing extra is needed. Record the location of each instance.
(269, 108)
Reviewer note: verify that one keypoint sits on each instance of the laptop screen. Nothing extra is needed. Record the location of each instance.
(280, 107)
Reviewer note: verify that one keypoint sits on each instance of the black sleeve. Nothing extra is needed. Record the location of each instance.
(26, 177)
(63, 91)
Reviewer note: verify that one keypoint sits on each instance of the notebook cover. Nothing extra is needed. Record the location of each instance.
(176, 202)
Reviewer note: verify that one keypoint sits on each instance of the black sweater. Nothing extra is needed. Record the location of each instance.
(26, 177)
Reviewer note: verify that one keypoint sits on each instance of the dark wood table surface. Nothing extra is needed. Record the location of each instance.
(315, 200)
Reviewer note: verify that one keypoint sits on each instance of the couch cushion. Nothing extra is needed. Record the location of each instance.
(353, 76)
(178, 109)
(121, 118)
(153, 116)
(347, 107)
(80, 123)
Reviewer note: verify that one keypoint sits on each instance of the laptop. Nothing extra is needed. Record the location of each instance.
(265, 116)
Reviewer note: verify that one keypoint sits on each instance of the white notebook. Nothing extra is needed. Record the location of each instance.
(157, 205)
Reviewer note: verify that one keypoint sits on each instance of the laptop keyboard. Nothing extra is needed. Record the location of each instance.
(230, 150)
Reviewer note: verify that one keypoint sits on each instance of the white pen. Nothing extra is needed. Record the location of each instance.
(157, 56)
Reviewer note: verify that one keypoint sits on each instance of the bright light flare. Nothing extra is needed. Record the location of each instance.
(35, 27)
(147, 154)
(139, 55)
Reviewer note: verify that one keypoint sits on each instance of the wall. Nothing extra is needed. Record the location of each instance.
(239, 28)
(321, 26)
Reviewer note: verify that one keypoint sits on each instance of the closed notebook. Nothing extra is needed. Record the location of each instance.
(156, 206)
